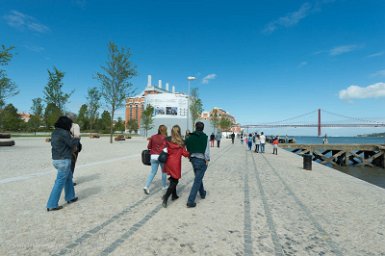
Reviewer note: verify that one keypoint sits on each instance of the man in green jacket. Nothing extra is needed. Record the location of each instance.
(197, 145)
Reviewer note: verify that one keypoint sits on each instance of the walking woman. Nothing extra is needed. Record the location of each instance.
(250, 141)
(156, 144)
(175, 149)
(62, 144)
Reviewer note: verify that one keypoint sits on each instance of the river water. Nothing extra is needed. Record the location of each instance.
(373, 175)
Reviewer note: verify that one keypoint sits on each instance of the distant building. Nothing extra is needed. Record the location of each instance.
(221, 113)
(25, 117)
(167, 104)
(170, 108)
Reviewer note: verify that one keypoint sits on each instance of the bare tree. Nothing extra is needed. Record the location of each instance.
(115, 85)
(93, 105)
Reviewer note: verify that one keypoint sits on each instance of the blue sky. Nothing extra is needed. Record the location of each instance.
(262, 61)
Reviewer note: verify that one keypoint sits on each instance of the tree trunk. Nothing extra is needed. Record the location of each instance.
(112, 124)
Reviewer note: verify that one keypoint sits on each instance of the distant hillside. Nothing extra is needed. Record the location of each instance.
(382, 134)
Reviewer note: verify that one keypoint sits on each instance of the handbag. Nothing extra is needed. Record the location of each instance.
(146, 157)
(163, 157)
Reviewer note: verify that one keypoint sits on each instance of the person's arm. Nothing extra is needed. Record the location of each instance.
(207, 153)
(185, 153)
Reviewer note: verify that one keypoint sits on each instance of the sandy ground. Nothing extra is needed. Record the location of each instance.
(256, 204)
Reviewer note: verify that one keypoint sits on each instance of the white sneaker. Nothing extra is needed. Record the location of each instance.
(146, 190)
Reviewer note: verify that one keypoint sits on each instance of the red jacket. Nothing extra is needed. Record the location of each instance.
(156, 144)
(173, 165)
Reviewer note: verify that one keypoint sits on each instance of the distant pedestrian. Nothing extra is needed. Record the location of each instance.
(262, 139)
(242, 138)
(325, 140)
(257, 142)
(173, 166)
(62, 144)
(250, 141)
(232, 137)
(218, 137)
(156, 144)
(275, 145)
(197, 146)
(212, 139)
(75, 132)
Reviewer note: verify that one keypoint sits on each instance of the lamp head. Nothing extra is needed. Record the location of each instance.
(191, 78)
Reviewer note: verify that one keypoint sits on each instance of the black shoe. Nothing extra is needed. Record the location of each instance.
(164, 203)
(75, 184)
(72, 200)
(191, 205)
(54, 209)
(173, 198)
(204, 195)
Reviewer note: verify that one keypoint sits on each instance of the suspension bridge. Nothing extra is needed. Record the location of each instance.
(348, 122)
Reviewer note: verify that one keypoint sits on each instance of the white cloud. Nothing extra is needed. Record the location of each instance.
(378, 73)
(34, 48)
(20, 20)
(302, 64)
(377, 54)
(290, 19)
(357, 92)
(342, 49)
(80, 3)
(209, 77)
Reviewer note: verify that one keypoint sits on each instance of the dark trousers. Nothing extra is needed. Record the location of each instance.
(218, 143)
(171, 189)
(256, 147)
(73, 160)
(199, 167)
(232, 140)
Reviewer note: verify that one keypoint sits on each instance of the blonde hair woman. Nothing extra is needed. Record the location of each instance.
(173, 165)
(156, 144)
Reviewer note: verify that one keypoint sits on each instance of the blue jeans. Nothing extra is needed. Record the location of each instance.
(249, 144)
(199, 166)
(262, 147)
(63, 180)
(154, 168)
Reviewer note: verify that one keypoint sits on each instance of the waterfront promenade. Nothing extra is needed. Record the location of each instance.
(256, 204)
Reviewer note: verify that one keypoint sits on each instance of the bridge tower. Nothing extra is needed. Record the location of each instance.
(319, 122)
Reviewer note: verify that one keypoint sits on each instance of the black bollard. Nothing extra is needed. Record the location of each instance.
(307, 159)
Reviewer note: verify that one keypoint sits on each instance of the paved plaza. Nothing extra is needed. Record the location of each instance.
(256, 204)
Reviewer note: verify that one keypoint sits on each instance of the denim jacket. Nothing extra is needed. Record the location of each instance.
(62, 144)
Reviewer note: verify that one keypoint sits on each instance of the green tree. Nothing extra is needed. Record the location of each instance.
(225, 124)
(34, 123)
(105, 121)
(119, 125)
(147, 118)
(132, 126)
(51, 115)
(196, 106)
(53, 90)
(115, 85)
(7, 87)
(37, 115)
(11, 120)
(93, 98)
(82, 119)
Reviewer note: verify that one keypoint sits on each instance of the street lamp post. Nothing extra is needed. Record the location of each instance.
(189, 79)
